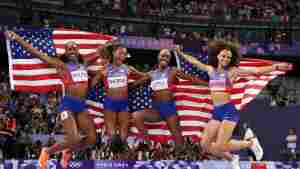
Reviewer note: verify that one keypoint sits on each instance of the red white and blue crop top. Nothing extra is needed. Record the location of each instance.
(220, 82)
(160, 80)
(116, 76)
(75, 74)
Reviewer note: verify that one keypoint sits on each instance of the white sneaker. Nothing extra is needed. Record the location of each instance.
(249, 134)
(235, 162)
(257, 149)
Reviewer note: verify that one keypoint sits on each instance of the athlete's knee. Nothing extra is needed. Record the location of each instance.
(135, 115)
(138, 116)
(175, 130)
(124, 124)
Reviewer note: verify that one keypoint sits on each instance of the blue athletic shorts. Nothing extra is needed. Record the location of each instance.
(72, 104)
(115, 105)
(226, 112)
(166, 108)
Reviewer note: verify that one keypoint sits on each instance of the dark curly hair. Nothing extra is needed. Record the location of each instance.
(216, 46)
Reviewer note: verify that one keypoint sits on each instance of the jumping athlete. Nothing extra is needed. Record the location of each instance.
(78, 127)
(163, 80)
(115, 77)
(222, 68)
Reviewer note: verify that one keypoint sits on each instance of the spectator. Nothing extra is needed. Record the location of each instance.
(7, 131)
(291, 142)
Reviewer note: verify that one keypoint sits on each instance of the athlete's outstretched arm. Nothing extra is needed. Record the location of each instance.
(195, 80)
(140, 77)
(135, 72)
(43, 56)
(193, 60)
(267, 69)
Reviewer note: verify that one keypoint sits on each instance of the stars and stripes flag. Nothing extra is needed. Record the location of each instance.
(29, 73)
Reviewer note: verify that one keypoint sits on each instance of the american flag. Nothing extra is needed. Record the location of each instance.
(193, 103)
(27, 73)
(30, 74)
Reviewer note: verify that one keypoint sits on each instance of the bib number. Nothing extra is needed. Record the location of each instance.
(79, 76)
(116, 82)
(159, 84)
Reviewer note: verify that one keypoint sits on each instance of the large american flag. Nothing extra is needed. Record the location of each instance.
(29, 73)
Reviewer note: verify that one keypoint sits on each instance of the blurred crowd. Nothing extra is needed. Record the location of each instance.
(199, 11)
(277, 11)
(245, 10)
(24, 115)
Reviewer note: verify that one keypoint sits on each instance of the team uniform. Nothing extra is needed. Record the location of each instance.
(116, 77)
(220, 82)
(159, 81)
(76, 75)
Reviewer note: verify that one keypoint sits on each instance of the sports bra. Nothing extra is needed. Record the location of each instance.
(75, 74)
(116, 76)
(220, 82)
(159, 79)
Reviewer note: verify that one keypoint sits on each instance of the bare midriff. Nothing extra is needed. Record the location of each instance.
(78, 90)
(118, 93)
(163, 95)
(220, 98)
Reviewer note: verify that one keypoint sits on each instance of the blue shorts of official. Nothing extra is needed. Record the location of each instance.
(115, 105)
(166, 109)
(72, 104)
(226, 112)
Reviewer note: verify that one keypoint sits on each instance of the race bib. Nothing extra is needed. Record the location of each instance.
(159, 84)
(79, 76)
(116, 82)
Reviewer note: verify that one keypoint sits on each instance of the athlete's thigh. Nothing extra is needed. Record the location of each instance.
(69, 124)
(211, 130)
(225, 131)
(85, 123)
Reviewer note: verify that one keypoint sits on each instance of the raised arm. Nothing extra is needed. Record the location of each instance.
(43, 56)
(193, 60)
(267, 69)
(193, 79)
(141, 77)
(135, 72)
